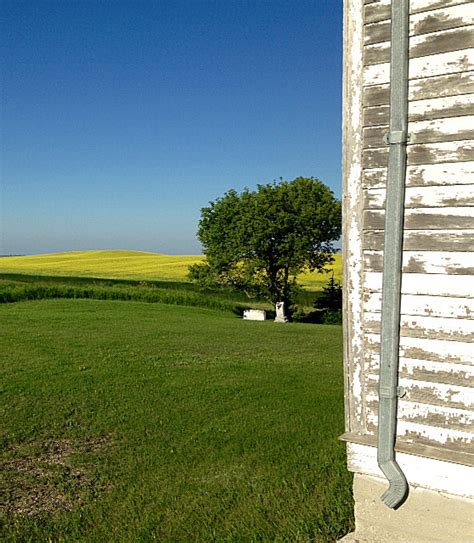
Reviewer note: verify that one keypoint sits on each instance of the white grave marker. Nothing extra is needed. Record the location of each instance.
(280, 312)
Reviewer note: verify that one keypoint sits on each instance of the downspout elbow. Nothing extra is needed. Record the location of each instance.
(397, 491)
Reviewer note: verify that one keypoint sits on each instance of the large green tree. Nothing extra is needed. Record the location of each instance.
(259, 241)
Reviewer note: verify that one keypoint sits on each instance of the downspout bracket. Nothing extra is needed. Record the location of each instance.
(401, 392)
(396, 137)
(391, 393)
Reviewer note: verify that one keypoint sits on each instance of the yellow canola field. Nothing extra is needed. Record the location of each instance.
(127, 265)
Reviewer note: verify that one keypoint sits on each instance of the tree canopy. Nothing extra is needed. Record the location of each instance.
(259, 241)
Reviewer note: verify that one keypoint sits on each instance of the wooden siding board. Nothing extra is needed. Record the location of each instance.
(421, 154)
(426, 45)
(418, 197)
(376, 116)
(443, 417)
(426, 327)
(438, 86)
(424, 240)
(436, 350)
(435, 65)
(380, 10)
(428, 175)
(426, 305)
(462, 151)
(424, 110)
(428, 370)
(427, 392)
(430, 262)
(442, 18)
(437, 218)
(447, 417)
(459, 286)
(439, 108)
(431, 131)
(423, 23)
(447, 375)
(429, 434)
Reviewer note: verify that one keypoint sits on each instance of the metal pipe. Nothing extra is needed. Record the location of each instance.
(392, 259)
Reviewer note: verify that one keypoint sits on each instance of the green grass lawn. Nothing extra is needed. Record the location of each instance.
(129, 265)
(125, 421)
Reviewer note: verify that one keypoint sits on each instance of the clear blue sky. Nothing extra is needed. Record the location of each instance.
(121, 119)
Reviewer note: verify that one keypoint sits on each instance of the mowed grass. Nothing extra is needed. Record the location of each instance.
(125, 421)
(128, 265)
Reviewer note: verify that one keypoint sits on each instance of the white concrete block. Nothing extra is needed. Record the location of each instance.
(255, 315)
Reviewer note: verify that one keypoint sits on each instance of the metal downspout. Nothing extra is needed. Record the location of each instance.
(392, 258)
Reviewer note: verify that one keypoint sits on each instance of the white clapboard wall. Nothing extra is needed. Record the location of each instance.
(436, 416)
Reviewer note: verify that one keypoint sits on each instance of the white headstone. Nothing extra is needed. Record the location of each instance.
(280, 312)
(254, 315)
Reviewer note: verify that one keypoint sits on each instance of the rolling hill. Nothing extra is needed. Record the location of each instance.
(119, 264)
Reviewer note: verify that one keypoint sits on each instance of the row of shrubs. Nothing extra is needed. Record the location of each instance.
(10, 292)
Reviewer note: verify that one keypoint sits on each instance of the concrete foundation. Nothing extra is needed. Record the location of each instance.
(426, 516)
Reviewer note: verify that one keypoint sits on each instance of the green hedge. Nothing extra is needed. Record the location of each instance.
(13, 292)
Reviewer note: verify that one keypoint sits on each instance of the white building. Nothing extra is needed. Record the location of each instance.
(435, 419)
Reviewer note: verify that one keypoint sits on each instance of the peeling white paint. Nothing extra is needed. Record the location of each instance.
(442, 64)
(412, 409)
(435, 434)
(433, 218)
(450, 239)
(463, 15)
(463, 397)
(430, 306)
(444, 128)
(438, 350)
(377, 116)
(352, 238)
(420, 108)
(425, 283)
(451, 173)
(443, 436)
(417, 6)
(413, 367)
(443, 151)
(418, 197)
(383, 48)
(421, 326)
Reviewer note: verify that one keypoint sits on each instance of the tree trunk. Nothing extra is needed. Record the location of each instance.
(285, 297)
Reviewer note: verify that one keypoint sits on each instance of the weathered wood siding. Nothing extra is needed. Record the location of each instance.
(437, 322)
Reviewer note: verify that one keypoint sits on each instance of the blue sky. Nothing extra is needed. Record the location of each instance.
(121, 119)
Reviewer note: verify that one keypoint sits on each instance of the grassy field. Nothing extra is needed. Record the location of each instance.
(127, 265)
(125, 421)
